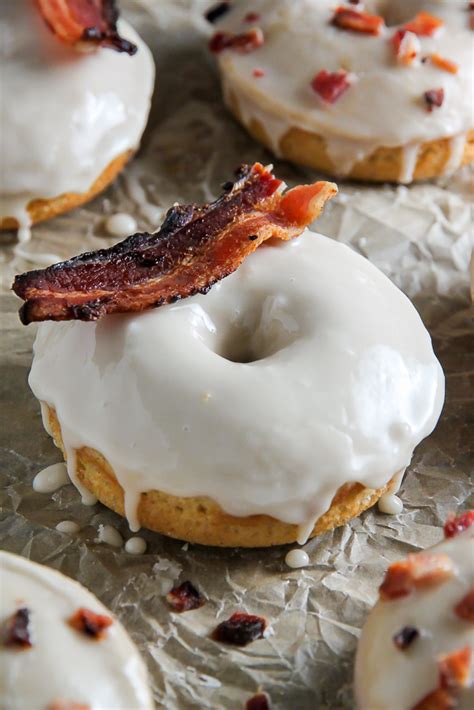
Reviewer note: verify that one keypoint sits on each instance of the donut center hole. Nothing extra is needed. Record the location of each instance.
(395, 13)
(259, 333)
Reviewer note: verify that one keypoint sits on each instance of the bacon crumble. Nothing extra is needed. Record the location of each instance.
(217, 11)
(454, 671)
(417, 572)
(252, 17)
(464, 609)
(424, 24)
(80, 21)
(90, 623)
(405, 637)
(406, 45)
(67, 705)
(355, 21)
(240, 629)
(444, 64)
(330, 85)
(258, 73)
(455, 525)
(244, 43)
(258, 702)
(18, 629)
(195, 248)
(434, 98)
(185, 597)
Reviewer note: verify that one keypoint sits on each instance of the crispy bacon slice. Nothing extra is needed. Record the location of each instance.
(195, 248)
(92, 22)
(418, 571)
(455, 525)
(424, 24)
(356, 21)
(465, 608)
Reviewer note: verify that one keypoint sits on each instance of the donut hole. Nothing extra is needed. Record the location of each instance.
(260, 332)
(395, 13)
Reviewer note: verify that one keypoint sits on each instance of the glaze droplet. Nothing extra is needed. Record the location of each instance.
(121, 225)
(135, 546)
(68, 526)
(297, 558)
(110, 536)
(390, 504)
(51, 479)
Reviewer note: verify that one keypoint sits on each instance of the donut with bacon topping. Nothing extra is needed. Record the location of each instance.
(82, 21)
(195, 248)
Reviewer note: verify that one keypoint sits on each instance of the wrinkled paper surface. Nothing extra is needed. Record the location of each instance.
(420, 237)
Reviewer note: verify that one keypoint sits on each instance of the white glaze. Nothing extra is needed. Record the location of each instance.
(51, 479)
(67, 114)
(389, 503)
(297, 558)
(63, 663)
(121, 225)
(135, 546)
(389, 679)
(384, 107)
(69, 527)
(109, 535)
(343, 385)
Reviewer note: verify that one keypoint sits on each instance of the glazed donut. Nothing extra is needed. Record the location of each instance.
(61, 648)
(417, 647)
(376, 91)
(279, 405)
(69, 124)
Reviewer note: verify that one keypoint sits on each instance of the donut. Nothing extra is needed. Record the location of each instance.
(274, 406)
(68, 124)
(416, 650)
(61, 649)
(376, 91)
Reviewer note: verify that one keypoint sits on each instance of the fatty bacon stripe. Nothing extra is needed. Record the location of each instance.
(85, 22)
(195, 248)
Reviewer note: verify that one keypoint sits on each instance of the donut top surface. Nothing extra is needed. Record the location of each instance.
(383, 102)
(48, 659)
(412, 644)
(65, 114)
(303, 370)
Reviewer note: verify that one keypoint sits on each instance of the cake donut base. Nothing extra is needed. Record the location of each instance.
(200, 520)
(42, 209)
(385, 164)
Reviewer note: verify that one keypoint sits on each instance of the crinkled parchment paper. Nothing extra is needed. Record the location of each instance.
(420, 237)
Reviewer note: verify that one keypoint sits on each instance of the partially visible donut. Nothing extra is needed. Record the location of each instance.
(70, 119)
(416, 651)
(388, 106)
(61, 649)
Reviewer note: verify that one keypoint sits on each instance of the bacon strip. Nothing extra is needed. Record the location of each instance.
(455, 525)
(195, 248)
(85, 21)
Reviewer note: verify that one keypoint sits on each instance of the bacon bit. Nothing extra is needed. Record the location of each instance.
(416, 572)
(356, 21)
(185, 597)
(195, 248)
(407, 46)
(252, 17)
(90, 623)
(77, 21)
(405, 637)
(217, 11)
(455, 669)
(258, 73)
(240, 629)
(330, 85)
(458, 524)
(445, 64)
(465, 608)
(67, 705)
(424, 24)
(18, 629)
(439, 699)
(433, 99)
(243, 43)
(258, 702)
